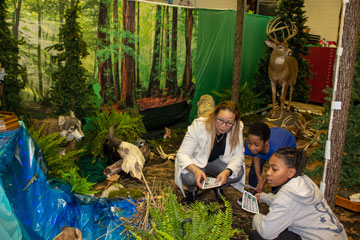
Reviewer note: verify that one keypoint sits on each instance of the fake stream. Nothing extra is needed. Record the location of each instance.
(33, 209)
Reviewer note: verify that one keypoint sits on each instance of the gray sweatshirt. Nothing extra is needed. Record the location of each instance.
(300, 207)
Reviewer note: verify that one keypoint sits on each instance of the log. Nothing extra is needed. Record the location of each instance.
(113, 168)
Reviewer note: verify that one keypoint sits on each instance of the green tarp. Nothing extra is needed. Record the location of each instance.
(215, 51)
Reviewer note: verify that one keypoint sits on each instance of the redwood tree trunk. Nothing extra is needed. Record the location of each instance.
(238, 50)
(104, 65)
(188, 68)
(62, 4)
(342, 94)
(17, 19)
(39, 55)
(128, 62)
(154, 83)
(138, 86)
(172, 84)
(116, 55)
(167, 50)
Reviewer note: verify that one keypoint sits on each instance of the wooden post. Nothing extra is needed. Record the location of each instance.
(238, 50)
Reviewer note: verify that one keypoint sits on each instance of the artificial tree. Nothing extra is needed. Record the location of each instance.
(9, 59)
(71, 90)
(288, 10)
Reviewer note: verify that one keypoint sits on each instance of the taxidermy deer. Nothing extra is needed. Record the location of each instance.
(283, 68)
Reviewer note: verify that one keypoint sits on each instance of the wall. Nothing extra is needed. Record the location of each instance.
(323, 17)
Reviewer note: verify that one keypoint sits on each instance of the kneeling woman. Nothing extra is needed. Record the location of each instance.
(213, 145)
(297, 210)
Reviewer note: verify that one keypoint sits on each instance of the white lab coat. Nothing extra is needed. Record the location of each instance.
(196, 149)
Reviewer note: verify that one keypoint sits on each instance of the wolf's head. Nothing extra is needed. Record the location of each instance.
(70, 127)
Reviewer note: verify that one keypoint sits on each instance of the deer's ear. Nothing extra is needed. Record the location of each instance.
(270, 44)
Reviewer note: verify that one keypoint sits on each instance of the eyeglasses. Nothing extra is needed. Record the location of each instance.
(222, 121)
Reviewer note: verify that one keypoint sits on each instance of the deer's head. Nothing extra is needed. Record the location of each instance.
(280, 49)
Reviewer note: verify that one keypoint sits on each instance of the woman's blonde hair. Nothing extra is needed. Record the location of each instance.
(235, 129)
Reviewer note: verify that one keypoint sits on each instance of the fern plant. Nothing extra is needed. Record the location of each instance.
(129, 128)
(78, 184)
(50, 147)
(197, 221)
(248, 100)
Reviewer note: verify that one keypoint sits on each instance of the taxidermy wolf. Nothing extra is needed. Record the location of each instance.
(67, 126)
(69, 233)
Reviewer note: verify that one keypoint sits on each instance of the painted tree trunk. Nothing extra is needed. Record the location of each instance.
(154, 83)
(104, 65)
(237, 51)
(172, 83)
(61, 16)
(187, 84)
(17, 19)
(128, 61)
(116, 55)
(167, 50)
(162, 30)
(138, 86)
(342, 94)
(39, 55)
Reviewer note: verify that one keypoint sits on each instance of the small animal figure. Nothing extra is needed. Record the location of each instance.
(144, 148)
(68, 126)
(205, 104)
(167, 133)
(32, 179)
(69, 233)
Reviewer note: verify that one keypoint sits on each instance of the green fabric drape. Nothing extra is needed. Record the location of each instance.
(215, 51)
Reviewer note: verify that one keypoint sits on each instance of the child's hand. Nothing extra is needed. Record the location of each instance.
(261, 185)
(258, 197)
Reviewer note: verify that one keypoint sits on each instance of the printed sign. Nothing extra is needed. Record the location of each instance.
(210, 183)
(249, 202)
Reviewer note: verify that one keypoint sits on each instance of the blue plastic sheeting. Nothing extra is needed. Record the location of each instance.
(32, 209)
(9, 226)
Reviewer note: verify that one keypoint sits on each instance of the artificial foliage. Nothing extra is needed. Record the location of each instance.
(50, 146)
(78, 184)
(288, 10)
(248, 100)
(15, 79)
(71, 90)
(129, 127)
(60, 166)
(195, 221)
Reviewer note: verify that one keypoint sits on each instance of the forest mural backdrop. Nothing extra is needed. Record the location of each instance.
(125, 50)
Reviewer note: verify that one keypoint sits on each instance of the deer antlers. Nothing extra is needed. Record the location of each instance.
(273, 26)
